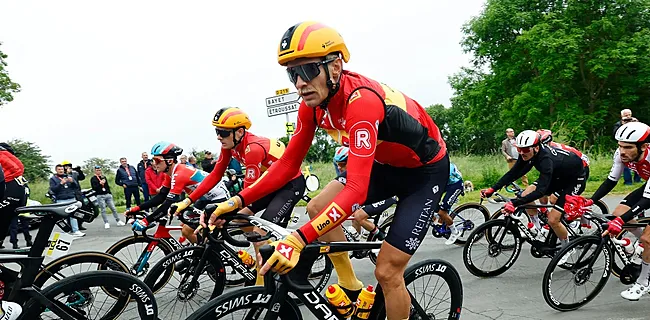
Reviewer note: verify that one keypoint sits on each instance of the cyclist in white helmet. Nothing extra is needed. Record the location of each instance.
(633, 153)
(561, 175)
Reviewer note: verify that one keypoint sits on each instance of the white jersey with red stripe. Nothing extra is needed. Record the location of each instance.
(642, 167)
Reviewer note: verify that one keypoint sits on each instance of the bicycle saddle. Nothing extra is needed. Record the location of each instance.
(63, 210)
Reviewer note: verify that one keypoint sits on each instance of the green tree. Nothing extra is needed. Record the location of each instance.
(108, 166)
(322, 148)
(33, 159)
(565, 65)
(7, 87)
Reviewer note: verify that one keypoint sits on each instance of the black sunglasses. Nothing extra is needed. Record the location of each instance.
(223, 133)
(307, 71)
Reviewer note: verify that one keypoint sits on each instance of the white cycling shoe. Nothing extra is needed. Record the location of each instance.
(635, 292)
(10, 310)
(455, 233)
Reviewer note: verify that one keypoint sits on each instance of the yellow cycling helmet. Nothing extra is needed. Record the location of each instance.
(66, 162)
(310, 40)
(231, 118)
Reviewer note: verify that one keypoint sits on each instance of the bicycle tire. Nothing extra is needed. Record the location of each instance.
(147, 307)
(548, 273)
(243, 298)
(105, 261)
(437, 267)
(167, 266)
(132, 240)
(469, 206)
(484, 231)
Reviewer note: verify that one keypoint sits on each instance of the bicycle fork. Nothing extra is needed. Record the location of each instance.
(144, 257)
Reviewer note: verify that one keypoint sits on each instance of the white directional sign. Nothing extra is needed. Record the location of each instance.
(282, 104)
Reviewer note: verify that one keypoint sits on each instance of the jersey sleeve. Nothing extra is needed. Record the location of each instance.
(617, 167)
(253, 155)
(365, 112)
(543, 182)
(214, 177)
(179, 181)
(285, 168)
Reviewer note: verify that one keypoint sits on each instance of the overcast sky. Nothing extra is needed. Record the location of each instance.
(112, 79)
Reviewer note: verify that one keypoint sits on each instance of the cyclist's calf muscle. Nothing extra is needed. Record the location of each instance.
(390, 262)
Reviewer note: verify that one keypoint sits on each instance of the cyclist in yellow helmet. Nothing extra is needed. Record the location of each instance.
(377, 123)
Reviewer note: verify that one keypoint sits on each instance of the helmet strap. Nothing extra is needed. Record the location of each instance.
(234, 139)
(169, 163)
(332, 87)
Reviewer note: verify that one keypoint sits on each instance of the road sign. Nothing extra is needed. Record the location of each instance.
(282, 104)
(281, 91)
(282, 109)
(290, 128)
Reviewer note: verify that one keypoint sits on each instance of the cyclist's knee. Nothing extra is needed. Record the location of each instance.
(620, 210)
(385, 274)
(360, 216)
(554, 217)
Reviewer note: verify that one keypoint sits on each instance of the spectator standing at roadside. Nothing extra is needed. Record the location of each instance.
(208, 163)
(142, 169)
(626, 116)
(99, 184)
(154, 180)
(77, 175)
(192, 162)
(127, 177)
(509, 151)
(63, 187)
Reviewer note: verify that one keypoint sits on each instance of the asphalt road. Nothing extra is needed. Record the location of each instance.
(515, 294)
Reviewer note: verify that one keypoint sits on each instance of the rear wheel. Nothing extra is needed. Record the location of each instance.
(467, 217)
(492, 248)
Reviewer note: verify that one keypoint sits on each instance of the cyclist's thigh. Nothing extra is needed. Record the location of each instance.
(530, 188)
(630, 200)
(422, 189)
(280, 207)
(452, 193)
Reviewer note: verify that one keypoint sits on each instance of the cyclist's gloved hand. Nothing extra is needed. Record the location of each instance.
(614, 227)
(182, 205)
(285, 257)
(229, 205)
(140, 225)
(509, 208)
(132, 210)
(486, 193)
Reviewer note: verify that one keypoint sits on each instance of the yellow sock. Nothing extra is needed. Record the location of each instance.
(343, 267)
(260, 279)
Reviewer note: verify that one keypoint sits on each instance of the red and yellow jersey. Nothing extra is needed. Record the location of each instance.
(256, 153)
(377, 123)
(187, 179)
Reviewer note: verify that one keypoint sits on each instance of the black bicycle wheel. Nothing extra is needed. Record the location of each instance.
(77, 263)
(446, 295)
(176, 294)
(130, 249)
(498, 238)
(467, 217)
(78, 295)
(558, 281)
(243, 304)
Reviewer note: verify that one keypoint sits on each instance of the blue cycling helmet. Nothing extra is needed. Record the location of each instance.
(341, 154)
(166, 149)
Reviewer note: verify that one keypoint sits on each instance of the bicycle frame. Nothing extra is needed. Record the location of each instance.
(161, 234)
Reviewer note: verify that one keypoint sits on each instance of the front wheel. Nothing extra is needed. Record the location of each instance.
(81, 295)
(581, 276)
(131, 251)
(245, 303)
(435, 288)
(492, 248)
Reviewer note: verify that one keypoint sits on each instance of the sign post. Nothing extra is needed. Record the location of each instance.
(284, 102)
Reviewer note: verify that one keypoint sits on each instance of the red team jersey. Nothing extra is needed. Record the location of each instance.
(12, 167)
(256, 153)
(377, 123)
